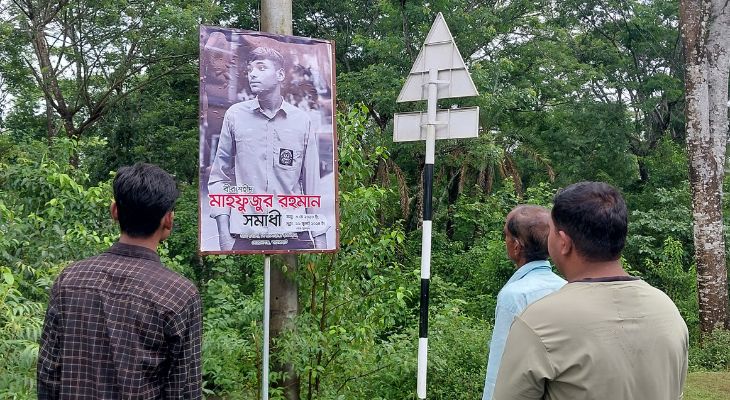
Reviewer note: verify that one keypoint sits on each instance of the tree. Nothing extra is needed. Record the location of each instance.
(705, 29)
(86, 56)
(632, 58)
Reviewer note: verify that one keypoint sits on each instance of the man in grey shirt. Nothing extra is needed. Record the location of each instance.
(266, 147)
(605, 334)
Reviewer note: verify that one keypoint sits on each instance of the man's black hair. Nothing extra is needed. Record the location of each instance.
(594, 215)
(144, 193)
(527, 225)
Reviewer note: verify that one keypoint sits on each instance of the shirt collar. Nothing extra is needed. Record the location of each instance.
(284, 107)
(130, 250)
(527, 268)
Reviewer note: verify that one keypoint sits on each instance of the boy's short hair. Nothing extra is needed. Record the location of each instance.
(267, 53)
(144, 193)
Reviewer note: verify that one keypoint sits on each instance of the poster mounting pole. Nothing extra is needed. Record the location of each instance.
(267, 307)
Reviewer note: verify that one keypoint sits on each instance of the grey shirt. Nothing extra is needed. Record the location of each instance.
(619, 340)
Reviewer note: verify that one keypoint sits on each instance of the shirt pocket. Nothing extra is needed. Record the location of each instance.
(287, 169)
(288, 149)
(286, 158)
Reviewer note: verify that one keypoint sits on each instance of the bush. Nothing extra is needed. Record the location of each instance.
(458, 359)
(20, 326)
(713, 354)
(669, 273)
(48, 217)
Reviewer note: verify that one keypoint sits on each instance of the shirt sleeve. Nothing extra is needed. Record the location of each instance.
(222, 170)
(185, 376)
(505, 313)
(49, 365)
(525, 367)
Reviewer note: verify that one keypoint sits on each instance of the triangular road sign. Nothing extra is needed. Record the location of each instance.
(438, 52)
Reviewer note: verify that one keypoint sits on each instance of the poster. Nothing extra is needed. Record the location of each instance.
(268, 164)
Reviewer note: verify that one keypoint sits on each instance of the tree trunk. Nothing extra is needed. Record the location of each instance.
(705, 29)
(50, 123)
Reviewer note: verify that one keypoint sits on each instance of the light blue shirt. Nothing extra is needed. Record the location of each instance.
(529, 283)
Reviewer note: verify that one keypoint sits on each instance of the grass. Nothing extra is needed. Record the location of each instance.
(707, 386)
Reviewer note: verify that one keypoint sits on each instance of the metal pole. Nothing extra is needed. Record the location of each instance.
(267, 303)
(426, 240)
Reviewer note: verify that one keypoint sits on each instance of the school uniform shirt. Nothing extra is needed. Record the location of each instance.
(260, 153)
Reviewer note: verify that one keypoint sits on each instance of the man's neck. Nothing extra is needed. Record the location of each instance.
(520, 263)
(150, 242)
(270, 101)
(593, 270)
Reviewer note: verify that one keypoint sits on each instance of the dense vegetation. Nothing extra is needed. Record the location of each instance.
(569, 91)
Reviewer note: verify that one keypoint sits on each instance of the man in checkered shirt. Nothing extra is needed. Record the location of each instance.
(120, 324)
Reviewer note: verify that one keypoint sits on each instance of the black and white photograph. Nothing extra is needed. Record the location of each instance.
(268, 167)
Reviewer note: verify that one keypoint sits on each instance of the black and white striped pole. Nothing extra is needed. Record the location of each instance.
(426, 239)
(439, 72)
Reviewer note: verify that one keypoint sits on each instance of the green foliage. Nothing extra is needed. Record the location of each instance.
(677, 279)
(589, 142)
(157, 125)
(127, 46)
(657, 215)
(21, 320)
(47, 219)
(356, 164)
(713, 354)
(458, 354)
(48, 215)
(231, 343)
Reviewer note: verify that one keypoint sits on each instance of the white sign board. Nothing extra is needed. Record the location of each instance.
(456, 123)
(439, 52)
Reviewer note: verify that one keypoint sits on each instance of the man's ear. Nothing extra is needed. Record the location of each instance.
(566, 243)
(280, 75)
(167, 220)
(114, 211)
(516, 246)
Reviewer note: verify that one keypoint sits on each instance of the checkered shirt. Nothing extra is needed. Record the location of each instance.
(120, 325)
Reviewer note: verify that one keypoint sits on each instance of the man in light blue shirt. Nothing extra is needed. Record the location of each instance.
(525, 236)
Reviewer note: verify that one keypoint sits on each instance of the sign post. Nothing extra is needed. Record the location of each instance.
(276, 17)
(267, 307)
(439, 72)
(268, 160)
